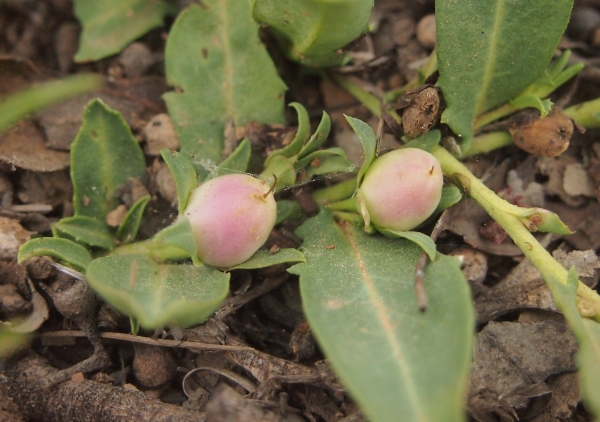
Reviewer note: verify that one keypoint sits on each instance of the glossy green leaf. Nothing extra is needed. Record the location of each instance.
(64, 250)
(129, 227)
(300, 138)
(488, 52)
(264, 258)
(313, 31)
(110, 25)
(358, 296)
(158, 294)
(427, 142)
(85, 230)
(369, 142)
(19, 105)
(215, 57)
(318, 138)
(422, 240)
(532, 101)
(184, 175)
(104, 156)
(451, 195)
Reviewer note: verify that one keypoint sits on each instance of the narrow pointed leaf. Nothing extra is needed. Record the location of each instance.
(263, 259)
(104, 156)
(64, 250)
(488, 52)
(214, 55)
(330, 164)
(369, 142)
(129, 227)
(329, 152)
(300, 138)
(158, 294)
(238, 161)
(184, 175)
(318, 138)
(358, 296)
(110, 25)
(85, 230)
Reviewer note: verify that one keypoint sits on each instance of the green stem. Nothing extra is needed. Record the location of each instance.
(488, 142)
(493, 115)
(335, 192)
(504, 213)
(370, 101)
(349, 204)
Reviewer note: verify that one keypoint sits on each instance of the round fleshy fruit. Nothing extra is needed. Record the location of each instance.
(231, 218)
(402, 188)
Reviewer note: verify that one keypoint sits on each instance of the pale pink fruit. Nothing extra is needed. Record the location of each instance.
(231, 217)
(402, 188)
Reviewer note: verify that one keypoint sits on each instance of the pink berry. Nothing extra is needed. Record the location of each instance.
(402, 188)
(231, 217)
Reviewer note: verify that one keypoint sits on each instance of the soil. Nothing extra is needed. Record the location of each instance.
(255, 359)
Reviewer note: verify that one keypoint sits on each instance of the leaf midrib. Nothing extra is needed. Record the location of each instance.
(387, 328)
(491, 59)
(227, 56)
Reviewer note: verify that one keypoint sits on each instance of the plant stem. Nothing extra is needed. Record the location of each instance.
(502, 212)
(488, 142)
(349, 204)
(370, 101)
(335, 192)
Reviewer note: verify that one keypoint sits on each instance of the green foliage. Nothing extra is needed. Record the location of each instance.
(369, 143)
(184, 175)
(313, 31)
(358, 296)
(63, 250)
(129, 227)
(85, 230)
(110, 25)
(263, 258)
(214, 56)
(158, 294)
(488, 52)
(19, 105)
(104, 156)
(238, 160)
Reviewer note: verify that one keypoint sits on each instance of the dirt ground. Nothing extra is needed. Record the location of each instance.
(255, 359)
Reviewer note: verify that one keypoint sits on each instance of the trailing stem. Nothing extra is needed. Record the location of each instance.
(510, 218)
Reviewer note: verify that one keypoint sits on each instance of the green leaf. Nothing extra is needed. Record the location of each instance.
(179, 234)
(532, 101)
(369, 142)
(129, 227)
(330, 164)
(184, 175)
(110, 25)
(422, 240)
(65, 251)
(427, 142)
(263, 258)
(288, 209)
(488, 52)
(29, 100)
(586, 332)
(238, 161)
(539, 219)
(322, 153)
(318, 138)
(300, 138)
(104, 156)
(158, 294)
(451, 195)
(86, 230)
(358, 296)
(312, 31)
(282, 167)
(214, 55)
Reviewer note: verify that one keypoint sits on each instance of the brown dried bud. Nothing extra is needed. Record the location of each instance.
(421, 110)
(548, 137)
